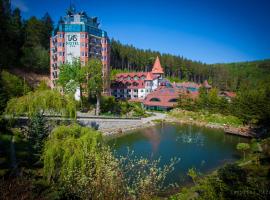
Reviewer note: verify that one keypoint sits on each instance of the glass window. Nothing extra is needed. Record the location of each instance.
(82, 54)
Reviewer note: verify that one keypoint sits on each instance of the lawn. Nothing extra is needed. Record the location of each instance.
(206, 117)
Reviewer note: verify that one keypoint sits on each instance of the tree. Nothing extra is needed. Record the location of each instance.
(193, 174)
(243, 147)
(47, 30)
(13, 85)
(37, 132)
(94, 80)
(41, 102)
(71, 77)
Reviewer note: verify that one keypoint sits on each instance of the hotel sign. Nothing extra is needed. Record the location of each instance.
(72, 46)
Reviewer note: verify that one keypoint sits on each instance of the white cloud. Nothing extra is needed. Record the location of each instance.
(20, 4)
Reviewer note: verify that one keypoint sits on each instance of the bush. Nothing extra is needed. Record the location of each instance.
(13, 85)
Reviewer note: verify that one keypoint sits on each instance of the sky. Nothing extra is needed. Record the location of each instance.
(211, 31)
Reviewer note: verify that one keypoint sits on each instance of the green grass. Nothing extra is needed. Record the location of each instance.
(206, 117)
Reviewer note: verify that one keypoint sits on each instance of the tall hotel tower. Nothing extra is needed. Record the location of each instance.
(79, 37)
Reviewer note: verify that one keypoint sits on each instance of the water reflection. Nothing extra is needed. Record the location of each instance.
(153, 137)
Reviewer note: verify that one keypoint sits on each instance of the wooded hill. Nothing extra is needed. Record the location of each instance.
(229, 76)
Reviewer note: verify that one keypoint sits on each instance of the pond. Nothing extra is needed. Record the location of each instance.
(199, 147)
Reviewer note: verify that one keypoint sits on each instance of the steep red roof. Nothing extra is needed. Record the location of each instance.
(206, 84)
(157, 69)
(149, 77)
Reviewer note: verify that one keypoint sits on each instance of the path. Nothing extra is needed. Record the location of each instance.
(118, 126)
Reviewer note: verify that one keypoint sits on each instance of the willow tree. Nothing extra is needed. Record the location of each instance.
(94, 80)
(42, 102)
(76, 160)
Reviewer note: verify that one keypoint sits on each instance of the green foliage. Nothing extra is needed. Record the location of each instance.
(243, 147)
(193, 174)
(36, 58)
(253, 105)
(94, 71)
(13, 85)
(3, 96)
(94, 80)
(37, 132)
(71, 76)
(205, 117)
(78, 161)
(42, 86)
(46, 101)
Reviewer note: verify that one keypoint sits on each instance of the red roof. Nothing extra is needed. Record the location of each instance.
(206, 84)
(229, 94)
(162, 96)
(149, 77)
(131, 74)
(157, 69)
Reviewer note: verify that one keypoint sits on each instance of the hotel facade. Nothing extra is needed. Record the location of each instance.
(78, 36)
(137, 85)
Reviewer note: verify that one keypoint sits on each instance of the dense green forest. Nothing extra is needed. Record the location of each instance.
(25, 44)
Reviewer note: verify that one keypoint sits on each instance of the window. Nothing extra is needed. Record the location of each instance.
(82, 54)
(86, 45)
(135, 90)
(83, 44)
(135, 84)
(141, 90)
(155, 99)
(173, 100)
(82, 35)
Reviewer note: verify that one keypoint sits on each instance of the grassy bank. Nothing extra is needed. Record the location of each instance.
(205, 117)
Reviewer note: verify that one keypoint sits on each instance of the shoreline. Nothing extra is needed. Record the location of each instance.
(160, 118)
(241, 131)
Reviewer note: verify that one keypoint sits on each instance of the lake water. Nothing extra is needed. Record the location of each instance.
(199, 147)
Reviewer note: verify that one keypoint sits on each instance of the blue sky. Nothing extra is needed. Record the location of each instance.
(210, 31)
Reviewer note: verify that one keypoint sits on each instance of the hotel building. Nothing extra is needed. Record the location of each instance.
(137, 85)
(78, 36)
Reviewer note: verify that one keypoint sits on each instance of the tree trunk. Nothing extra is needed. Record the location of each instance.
(98, 104)
(81, 97)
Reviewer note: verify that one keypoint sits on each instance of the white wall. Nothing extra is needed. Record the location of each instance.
(72, 46)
